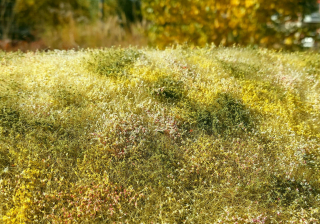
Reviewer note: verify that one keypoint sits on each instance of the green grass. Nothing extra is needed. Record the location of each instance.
(208, 135)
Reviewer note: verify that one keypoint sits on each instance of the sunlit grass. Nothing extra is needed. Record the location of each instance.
(212, 135)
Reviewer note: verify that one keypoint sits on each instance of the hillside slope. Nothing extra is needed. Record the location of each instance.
(211, 135)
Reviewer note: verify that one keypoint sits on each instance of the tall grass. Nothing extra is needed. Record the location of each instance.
(126, 135)
(84, 34)
(96, 34)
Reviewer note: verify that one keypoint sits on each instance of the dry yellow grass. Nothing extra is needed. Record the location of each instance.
(96, 35)
(209, 135)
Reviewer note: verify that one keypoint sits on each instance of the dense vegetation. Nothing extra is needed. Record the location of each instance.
(228, 22)
(208, 135)
(67, 24)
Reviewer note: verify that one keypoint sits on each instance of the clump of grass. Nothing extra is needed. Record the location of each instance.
(9, 119)
(225, 116)
(127, 135)
(113, 62)
(168, 89)
(240, 69)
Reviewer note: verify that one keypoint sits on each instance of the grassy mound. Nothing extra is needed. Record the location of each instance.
(211, 135)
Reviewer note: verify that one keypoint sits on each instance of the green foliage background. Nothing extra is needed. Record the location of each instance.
(224, 22)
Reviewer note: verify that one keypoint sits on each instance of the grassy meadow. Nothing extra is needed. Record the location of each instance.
(202, 135)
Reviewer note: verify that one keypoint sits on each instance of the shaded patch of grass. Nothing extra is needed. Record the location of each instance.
(312, 159)
(9, 119)
(112, 62)
(225, 116)
(239, 70)
(69, 97)
(231, 114)
(293, 192)
(167, 89)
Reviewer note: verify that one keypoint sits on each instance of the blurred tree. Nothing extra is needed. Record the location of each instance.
(7, 18)
(44, 14)
(55, 12)
(128, 11)
(225, 22)
(131, 9)
(40, 16)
